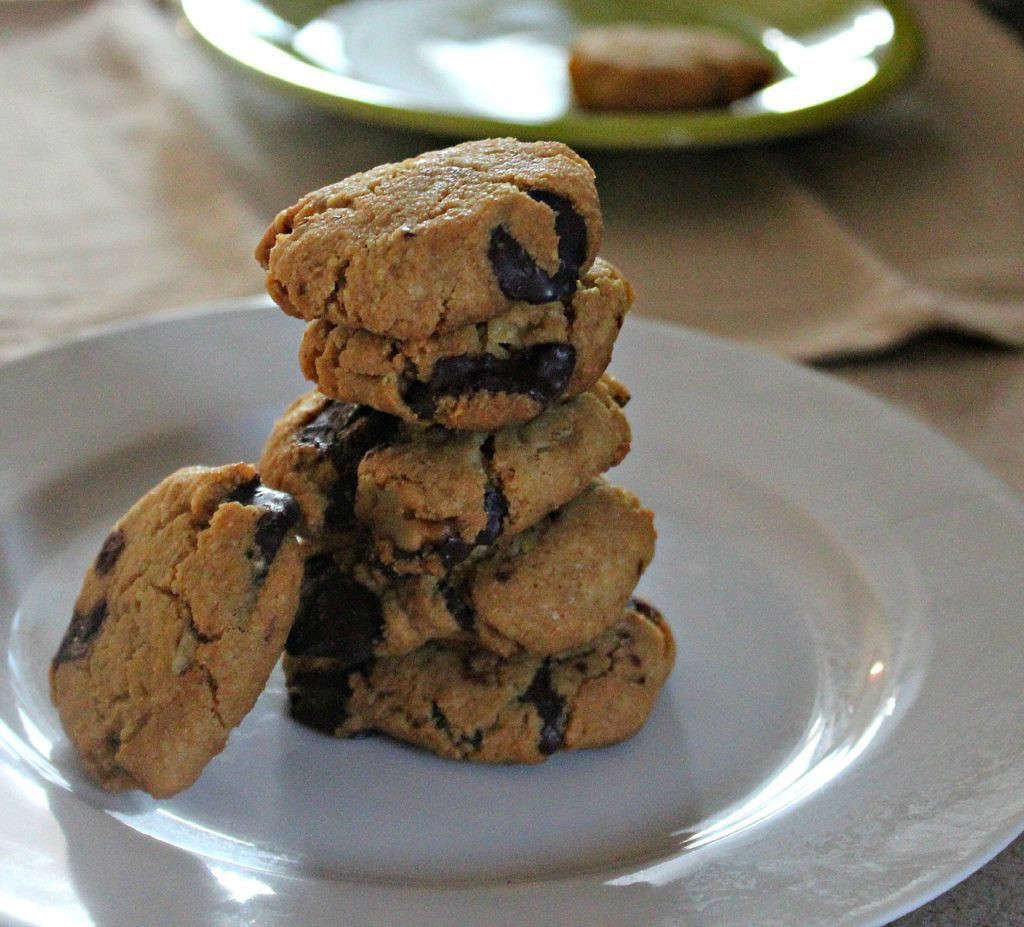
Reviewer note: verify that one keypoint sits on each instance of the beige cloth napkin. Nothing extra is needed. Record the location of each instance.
(908, 218)
(137, 171)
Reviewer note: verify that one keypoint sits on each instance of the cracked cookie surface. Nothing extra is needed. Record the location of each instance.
(428, 497)
(180, 619)
(549, 588)
(466, 703)
(479, 377)
(437, 242)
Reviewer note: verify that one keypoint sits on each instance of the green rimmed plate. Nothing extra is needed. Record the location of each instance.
(471, 68)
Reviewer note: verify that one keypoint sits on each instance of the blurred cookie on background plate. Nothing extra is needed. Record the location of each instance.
(632, 66)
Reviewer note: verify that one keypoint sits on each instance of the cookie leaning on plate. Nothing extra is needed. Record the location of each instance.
(180, 619)
(468, 703)
(428, 496)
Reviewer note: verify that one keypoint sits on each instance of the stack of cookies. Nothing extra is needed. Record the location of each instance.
(471, 589)
(427, 537)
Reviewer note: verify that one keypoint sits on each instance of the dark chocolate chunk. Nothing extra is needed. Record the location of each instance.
(80, 634)
(452, 550)
(336, 618)
(280, 516)
(109, 552)
(344, 434)
(551, 708)
(495, 503)
(320, 699)
(280, 513)
(540, 371)
(461, 609)
(518, 274)
(325, 431)
(495, 508)
(439, 718)
(245, 493)
(571, 229)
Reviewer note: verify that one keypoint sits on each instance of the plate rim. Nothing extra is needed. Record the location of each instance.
(590, 130)
(235, 306)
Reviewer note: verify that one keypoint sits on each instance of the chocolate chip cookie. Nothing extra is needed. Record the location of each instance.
(548, 588)
(180, 620)
(463, 702)
(479, 377)
(428, 496)
(653, 66)
(437, 242)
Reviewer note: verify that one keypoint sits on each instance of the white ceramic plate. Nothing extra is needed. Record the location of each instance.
(838, 743)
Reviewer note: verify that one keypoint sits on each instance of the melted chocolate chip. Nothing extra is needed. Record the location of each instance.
(280, 513)
(451, 551)
(109, 552)
(551, 708)
(540, 371)
(336, 618)
(344, 434)
(320, 699)
(461, 609)
(80, 634)
(495, 508)
(325, 431)
(518, 274)
(495, 503)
